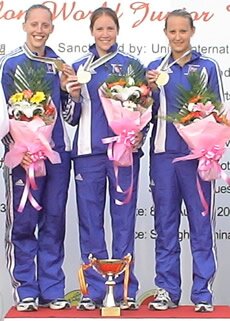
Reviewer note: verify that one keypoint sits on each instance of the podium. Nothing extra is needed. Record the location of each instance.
(180, 313)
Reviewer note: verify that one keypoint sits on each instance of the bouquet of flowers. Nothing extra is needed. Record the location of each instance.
(127, 102)
(203, 126)
(32, 117)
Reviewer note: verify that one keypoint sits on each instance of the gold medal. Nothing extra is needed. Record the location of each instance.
(162, 79)
(83, 76)
(58, 63)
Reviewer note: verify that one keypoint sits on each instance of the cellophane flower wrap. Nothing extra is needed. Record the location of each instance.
(127, 102)
(204, 126)
(32, 116)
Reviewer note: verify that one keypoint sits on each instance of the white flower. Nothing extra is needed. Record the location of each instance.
(128, 104)
(25, 108)
(123, 93)
(191, 106)
(130, 81)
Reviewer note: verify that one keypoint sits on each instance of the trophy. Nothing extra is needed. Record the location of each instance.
(111, 269)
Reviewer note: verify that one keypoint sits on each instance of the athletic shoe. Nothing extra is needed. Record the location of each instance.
(203, 307)
(86, 304)
(162, 301)
(27, 304)
(130, 304)
(57, 304)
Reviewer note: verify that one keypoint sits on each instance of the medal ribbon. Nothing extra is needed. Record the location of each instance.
(54, 61)
(90, 65)
(164, 65)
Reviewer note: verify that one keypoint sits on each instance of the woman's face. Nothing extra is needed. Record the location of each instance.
(179, 33)
(38, 27)
(105, 33)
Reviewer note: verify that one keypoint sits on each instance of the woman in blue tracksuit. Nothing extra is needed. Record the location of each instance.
(35, 239)
(173, 182)
(94, 170)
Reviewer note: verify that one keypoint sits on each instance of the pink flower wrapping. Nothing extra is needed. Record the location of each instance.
(33, 137)
(206, 139)
(125, 124)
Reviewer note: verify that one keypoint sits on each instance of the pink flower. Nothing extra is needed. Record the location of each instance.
(206, 109)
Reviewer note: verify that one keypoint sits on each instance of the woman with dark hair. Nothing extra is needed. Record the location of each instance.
(93, 169)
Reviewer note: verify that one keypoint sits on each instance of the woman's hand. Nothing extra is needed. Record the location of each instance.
(137, 141)
(151, 77)
(73, 87)
(66, 72)
(26, 161)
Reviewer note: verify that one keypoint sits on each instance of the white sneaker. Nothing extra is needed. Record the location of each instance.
(131, 304)
(162, 301)
(86, 304)
(27, 304)
(57, 304)
(204, 307)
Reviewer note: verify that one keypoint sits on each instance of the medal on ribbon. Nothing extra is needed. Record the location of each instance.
(162, 79)
(84, 72)
(56, 62)
(83, 75)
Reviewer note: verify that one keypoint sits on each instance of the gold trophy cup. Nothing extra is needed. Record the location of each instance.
(111, 269)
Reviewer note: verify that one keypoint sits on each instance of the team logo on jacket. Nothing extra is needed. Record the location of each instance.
(51, 69)
(192, 68)
(116, 69)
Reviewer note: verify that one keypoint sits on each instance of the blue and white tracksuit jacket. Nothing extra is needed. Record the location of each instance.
(173, 182)
(37, 234)
(93, 171)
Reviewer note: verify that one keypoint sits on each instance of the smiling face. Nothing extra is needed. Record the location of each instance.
(179, 32)
(104, 31)
(38, 27)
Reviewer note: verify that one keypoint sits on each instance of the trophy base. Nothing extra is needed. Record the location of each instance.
(110, 311)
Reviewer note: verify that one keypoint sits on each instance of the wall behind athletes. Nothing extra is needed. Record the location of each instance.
(141, 34)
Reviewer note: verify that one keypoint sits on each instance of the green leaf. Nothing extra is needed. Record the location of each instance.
(27, 76)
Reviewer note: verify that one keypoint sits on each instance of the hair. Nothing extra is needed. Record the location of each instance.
(103, 11)
(180, 13)
(37, 6)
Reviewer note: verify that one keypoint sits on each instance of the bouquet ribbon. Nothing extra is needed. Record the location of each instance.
(120, 151)
(208, 167)
(30, 182)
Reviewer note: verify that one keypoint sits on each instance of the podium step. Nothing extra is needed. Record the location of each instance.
(180, 313)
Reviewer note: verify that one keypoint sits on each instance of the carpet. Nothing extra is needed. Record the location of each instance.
(182, 312)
